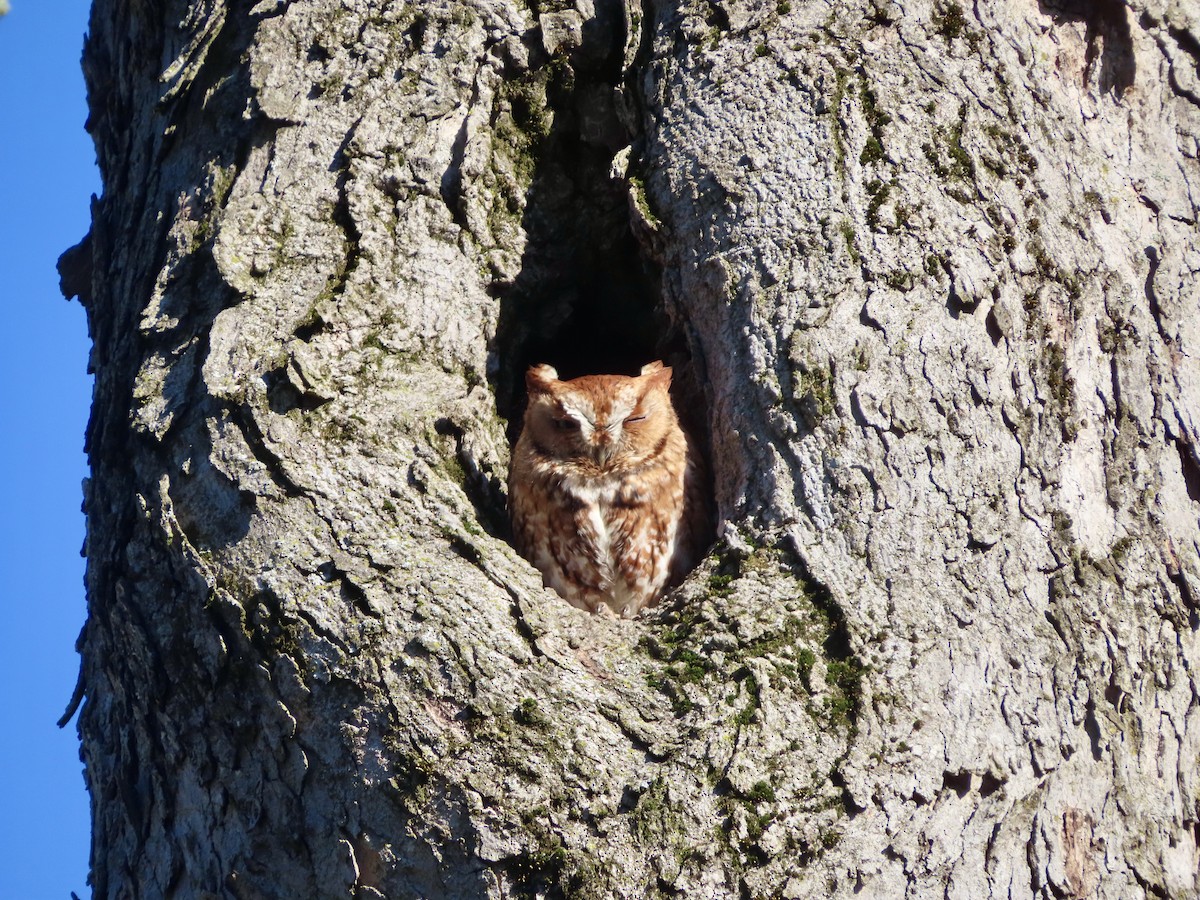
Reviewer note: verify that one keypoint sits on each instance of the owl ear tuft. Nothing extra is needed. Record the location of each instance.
(540, 379)
(657, 374)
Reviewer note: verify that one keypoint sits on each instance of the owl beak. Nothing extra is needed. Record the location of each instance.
(602, 447)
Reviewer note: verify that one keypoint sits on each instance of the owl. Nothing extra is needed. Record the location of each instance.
(608, 494)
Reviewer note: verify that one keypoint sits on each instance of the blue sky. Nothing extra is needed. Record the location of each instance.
(47, 175)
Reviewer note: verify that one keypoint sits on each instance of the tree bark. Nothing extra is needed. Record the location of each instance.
(927, 273)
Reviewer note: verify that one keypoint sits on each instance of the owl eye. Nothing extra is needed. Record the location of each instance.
(567, 424)
(635, 419)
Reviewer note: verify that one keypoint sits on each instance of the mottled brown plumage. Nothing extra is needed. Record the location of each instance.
(607, 493)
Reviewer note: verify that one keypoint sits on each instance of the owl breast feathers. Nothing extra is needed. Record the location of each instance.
(607, 493)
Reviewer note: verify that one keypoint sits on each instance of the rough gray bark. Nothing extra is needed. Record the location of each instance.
(932, 270)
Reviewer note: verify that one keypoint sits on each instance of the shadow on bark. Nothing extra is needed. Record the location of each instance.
(1109, 58)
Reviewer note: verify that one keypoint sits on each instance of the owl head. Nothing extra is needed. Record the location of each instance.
(604, 421)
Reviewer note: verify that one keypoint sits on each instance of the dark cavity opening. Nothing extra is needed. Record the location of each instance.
(989, 784)
(587, 298)
(994, 331)
(958, 782)
(1091, 726)
(1189, 463)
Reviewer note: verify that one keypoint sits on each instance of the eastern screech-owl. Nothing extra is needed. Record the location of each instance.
(608, 494)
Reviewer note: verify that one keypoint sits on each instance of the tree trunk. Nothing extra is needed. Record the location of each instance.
(927, 273)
